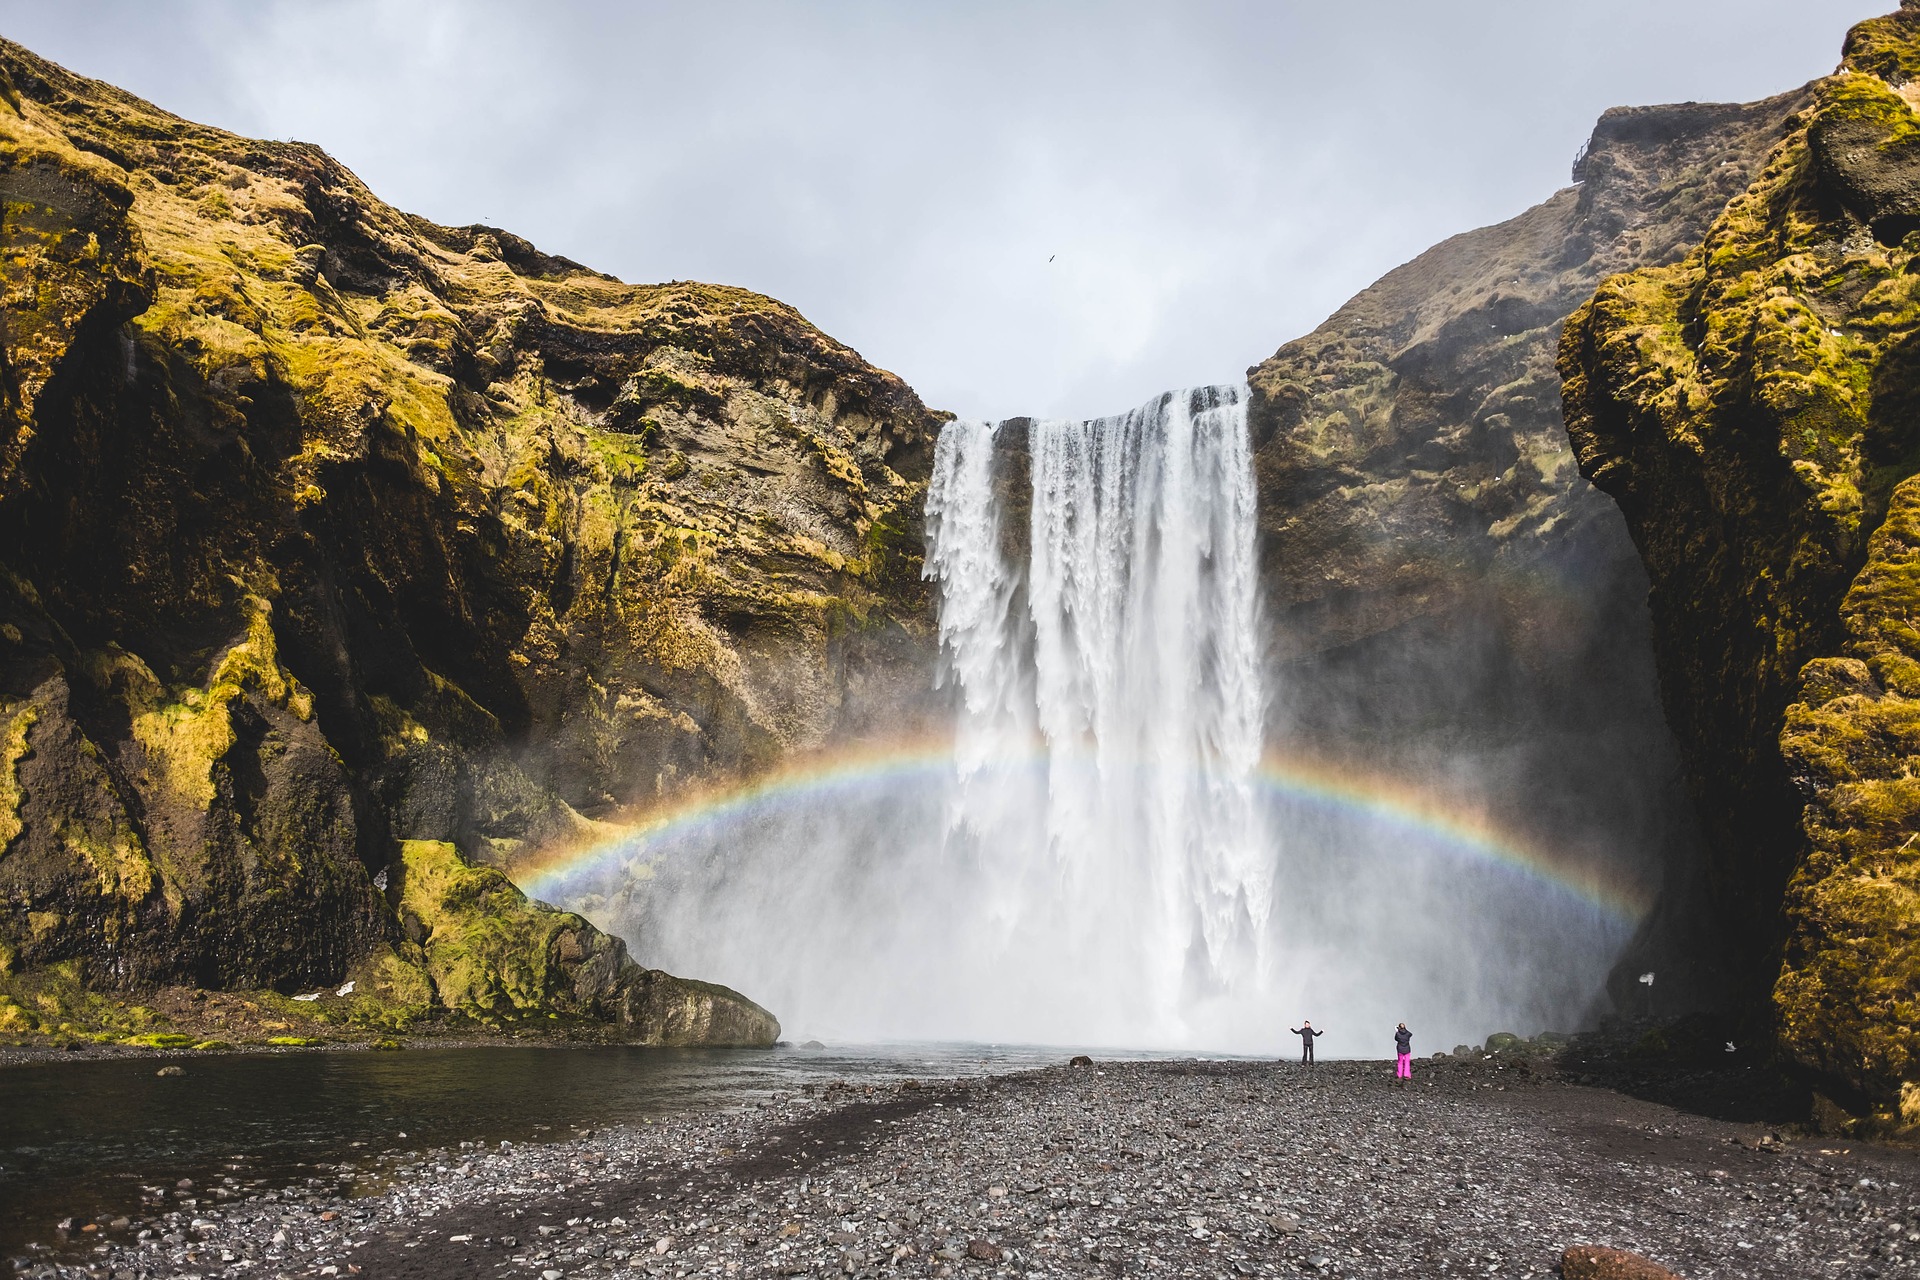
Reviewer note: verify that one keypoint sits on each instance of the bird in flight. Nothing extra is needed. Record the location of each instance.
(1052, 256)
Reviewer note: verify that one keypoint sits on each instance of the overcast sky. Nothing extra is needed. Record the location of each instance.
(1208, 179)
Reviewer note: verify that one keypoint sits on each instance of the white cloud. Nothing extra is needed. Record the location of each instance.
(1211, 179)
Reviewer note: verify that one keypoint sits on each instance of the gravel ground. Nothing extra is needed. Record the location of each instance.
(1211, 1168)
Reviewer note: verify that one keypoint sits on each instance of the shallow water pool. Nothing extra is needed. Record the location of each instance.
(96, 1140)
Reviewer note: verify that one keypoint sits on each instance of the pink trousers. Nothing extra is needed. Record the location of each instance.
(1403, 1069)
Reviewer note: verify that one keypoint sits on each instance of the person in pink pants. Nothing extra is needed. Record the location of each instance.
(1403, 1048)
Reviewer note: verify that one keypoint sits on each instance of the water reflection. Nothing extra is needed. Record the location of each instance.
(98, 1140)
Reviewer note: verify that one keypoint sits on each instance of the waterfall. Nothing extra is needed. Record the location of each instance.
(1103, 857)
(1109, 703)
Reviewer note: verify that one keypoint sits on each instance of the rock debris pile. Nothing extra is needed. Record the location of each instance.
(1484, 1167)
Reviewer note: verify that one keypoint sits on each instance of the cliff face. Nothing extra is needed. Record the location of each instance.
(1752, 409)
(1412, 444)
(1448, 594)
(340, 551)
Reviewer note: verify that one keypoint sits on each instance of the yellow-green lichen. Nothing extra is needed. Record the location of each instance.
(15, 722)
(392, 989)
(185, 738)
(559, 486)
(1753, 406)
(490, 952)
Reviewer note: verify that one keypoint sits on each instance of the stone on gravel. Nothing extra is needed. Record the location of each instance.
(1597, 1262)
(1172, 1169)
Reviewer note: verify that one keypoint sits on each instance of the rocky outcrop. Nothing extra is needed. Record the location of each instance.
(486, 950)
(1449, 597)
(330, 537)
(1411, 447)
(1752, 409)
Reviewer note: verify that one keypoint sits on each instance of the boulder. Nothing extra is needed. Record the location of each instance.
(1597, 1262)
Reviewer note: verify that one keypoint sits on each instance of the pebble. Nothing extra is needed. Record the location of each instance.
(1174, 1168)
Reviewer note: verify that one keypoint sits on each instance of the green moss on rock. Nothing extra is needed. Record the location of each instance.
(1751, 409)
(13, 744)
(494, 955)
(325, 528)
(57, 1001)
(490, 951)
(392, 987)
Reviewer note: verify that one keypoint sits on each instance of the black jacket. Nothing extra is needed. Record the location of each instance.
(1403, 1040)
(1307, 1034)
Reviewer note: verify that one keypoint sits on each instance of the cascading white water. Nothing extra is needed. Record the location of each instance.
(1104, 860)
(1128, 870)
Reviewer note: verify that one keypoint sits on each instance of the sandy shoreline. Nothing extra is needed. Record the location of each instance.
(1212, 1168)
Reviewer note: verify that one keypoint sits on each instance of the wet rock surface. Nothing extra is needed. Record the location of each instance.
(1218, 1168)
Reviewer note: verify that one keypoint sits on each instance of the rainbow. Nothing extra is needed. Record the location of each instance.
(1464, 828)
(800, 780)
(1331, 786)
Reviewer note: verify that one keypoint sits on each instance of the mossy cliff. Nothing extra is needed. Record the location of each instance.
(1450, 598)
(1755, 411)
(341, 552)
